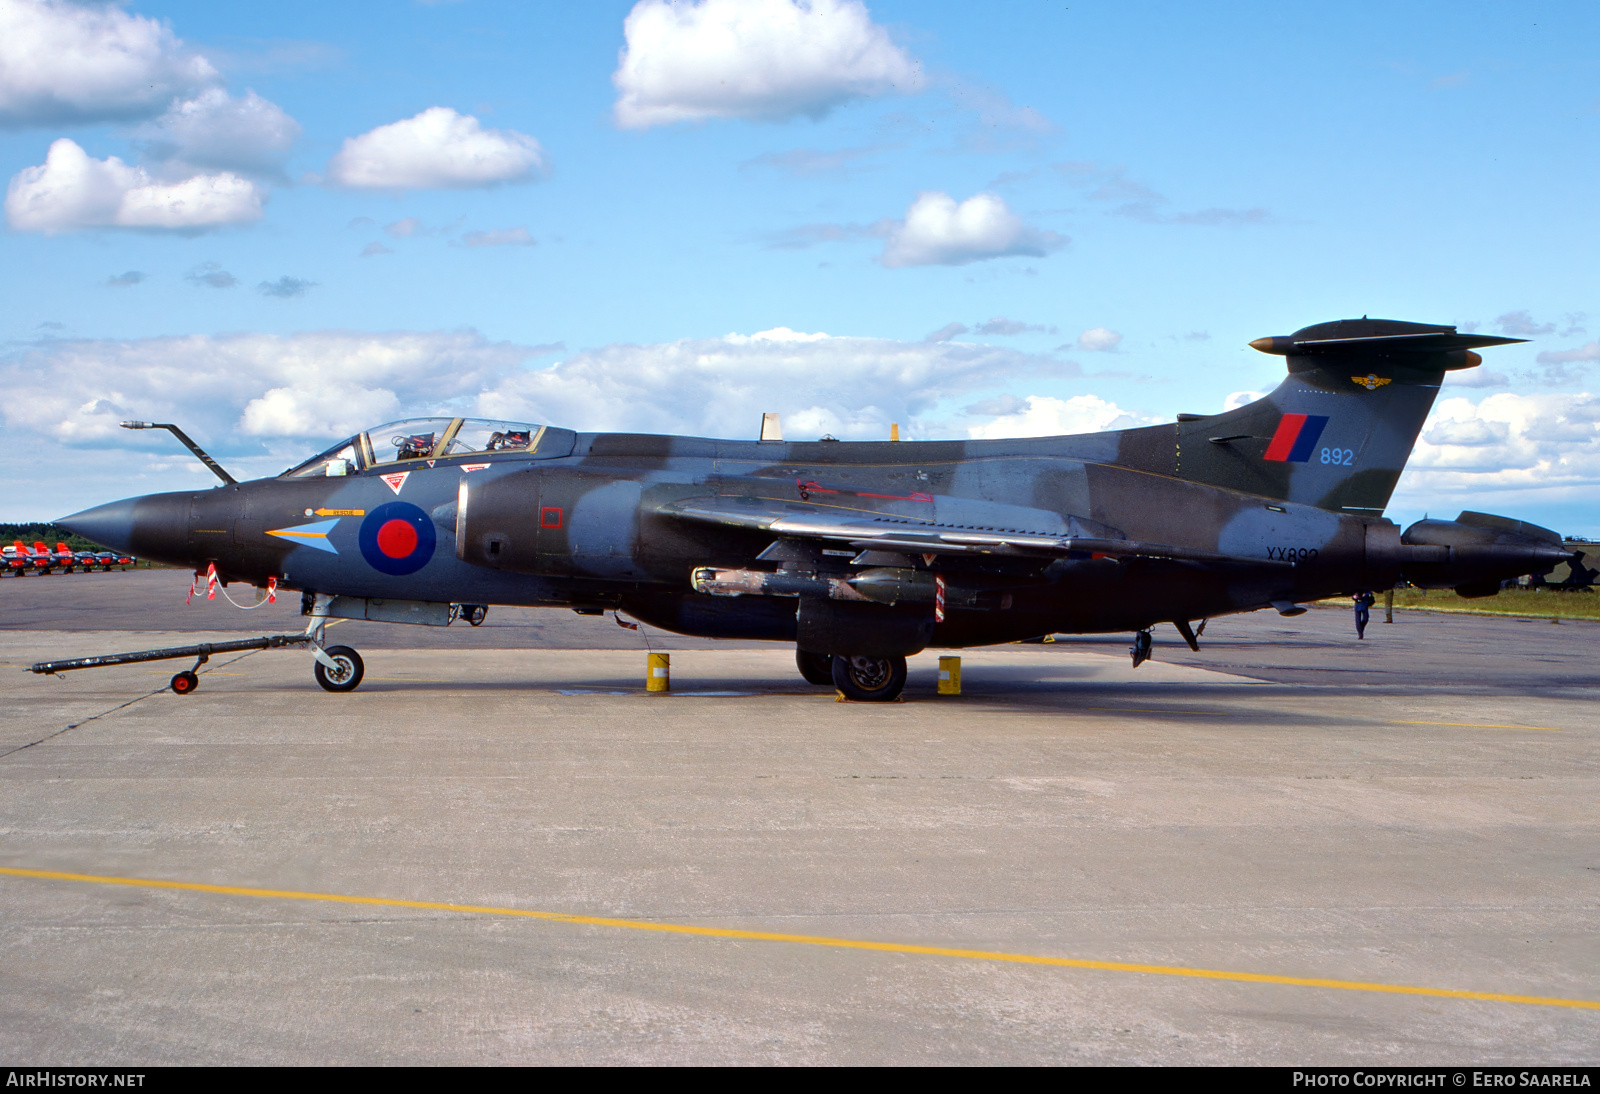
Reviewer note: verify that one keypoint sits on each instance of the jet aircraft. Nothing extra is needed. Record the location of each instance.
(863, 553)
(39, 559)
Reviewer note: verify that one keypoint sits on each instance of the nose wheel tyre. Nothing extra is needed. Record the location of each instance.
(347, 676)
(184, 683)
(869, 679)
(816, 668)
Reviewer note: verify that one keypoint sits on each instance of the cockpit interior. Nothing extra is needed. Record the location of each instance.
(421, 439)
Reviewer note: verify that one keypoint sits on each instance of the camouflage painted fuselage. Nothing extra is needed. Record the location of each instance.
(920, 543)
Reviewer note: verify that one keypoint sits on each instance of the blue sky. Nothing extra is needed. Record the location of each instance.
(585, 213)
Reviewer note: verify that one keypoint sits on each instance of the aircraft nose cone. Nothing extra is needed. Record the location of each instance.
(155, 526)
(108, 525)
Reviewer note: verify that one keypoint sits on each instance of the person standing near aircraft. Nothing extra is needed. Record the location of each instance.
(1364, 602)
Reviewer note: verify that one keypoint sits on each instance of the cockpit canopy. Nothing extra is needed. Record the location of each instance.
(430, 439)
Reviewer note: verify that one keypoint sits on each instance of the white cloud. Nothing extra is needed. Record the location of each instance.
(261, 403)
(761, 59)
(1237, 399)
(234, 390)
(1047, 416)
(437, 149)
(65, 63)
(215, 130)
(1099, 339)
(499, 237)
(1136, 201)
(71, 191)
(211, 275)
(1002, 326)
(939, 232)
(1522, 324)
(286, 287)
(845, 386)
(1589, 351)
(1476, 377)
(1545, 443)
(289, 391)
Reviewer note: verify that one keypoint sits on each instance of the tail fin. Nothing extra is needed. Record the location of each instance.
(1336, 433)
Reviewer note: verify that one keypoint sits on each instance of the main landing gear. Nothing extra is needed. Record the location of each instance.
(861, 679)
(869, 679)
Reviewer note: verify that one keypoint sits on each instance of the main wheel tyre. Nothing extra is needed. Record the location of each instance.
(817, 668)
(184, 683)
(869, 679)
(347, 676)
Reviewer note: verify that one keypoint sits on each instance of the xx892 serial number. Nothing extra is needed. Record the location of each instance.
(1345, 457)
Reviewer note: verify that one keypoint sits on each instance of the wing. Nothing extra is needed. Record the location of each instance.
(892, 532)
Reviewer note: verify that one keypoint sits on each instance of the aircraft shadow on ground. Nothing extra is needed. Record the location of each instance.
(1217, 704)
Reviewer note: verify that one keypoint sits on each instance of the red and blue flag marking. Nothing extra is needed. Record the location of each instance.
(1296, 438)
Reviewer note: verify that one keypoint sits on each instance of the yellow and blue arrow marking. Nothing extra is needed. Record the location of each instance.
(309, 535)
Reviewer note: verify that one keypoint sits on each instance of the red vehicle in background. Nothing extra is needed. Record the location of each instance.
(15, 561)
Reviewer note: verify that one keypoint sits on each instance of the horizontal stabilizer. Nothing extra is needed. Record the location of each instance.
(1376, 337)
(1381, 343)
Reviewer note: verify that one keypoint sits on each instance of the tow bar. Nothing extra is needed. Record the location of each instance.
(186, 681)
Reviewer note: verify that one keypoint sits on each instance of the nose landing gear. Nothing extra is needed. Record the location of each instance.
(336, 668)
(1140, 650)
(344, 675)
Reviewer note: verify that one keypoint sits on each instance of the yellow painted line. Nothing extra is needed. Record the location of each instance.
(810, 940)
(300, 535)
(1475, 725)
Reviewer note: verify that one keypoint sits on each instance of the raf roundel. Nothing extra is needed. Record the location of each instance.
(397, 539)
